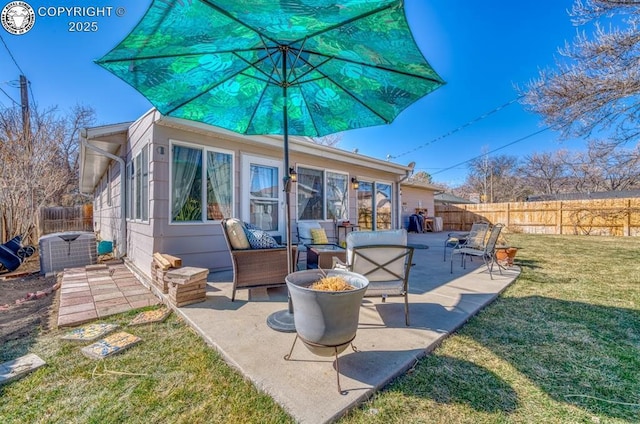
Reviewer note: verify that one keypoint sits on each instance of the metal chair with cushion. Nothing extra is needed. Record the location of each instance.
(311, 232)
(13, 254)
(473, 238)
(384, 258)
(486, 252)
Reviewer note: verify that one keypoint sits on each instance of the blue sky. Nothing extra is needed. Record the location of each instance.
(481, 49)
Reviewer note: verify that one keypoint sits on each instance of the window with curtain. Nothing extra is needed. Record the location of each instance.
(365, 210)
(219, 187)
(186, 184)
(201, 184)
(383, 206)
(130, 189)
(144, 188)
(321, 194)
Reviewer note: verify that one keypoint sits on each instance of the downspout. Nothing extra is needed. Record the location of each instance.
(408, 173)
(122, 249)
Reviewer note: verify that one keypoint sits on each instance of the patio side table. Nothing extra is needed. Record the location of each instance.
(347, 228)
(321, 255)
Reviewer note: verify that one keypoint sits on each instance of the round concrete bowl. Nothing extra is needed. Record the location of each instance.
(326, 321)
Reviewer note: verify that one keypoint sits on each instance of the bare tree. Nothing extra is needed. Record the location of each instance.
(494, 178)
(38, 167)
(596, 86)
(603, 167)
(545, 173)
(421, 176)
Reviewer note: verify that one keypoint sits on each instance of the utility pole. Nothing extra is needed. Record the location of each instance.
(24, 102)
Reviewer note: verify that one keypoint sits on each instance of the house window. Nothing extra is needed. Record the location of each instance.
(264, 196)
(109, 186)
(201, 184)
(375, 209)
(337, 190)
(321, 194)
(219, 186)
(138, 186)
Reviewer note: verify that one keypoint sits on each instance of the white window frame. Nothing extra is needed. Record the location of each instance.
(374, 210)
(245, 214)
(131, 181)
(324, 186)
(203, 190)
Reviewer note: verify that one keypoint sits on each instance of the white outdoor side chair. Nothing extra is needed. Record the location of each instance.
(384, 258)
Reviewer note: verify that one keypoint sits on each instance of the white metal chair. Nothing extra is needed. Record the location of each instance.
(385, 259)
(474, 238)
(305, 237)
(486, 252)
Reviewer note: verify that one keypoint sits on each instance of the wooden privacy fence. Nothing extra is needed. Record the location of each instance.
(58, 219)
(616, 217)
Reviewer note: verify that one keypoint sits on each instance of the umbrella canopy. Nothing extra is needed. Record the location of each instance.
(301, 67)
(236, 64)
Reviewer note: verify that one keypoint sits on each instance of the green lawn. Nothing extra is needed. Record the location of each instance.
(561, 345)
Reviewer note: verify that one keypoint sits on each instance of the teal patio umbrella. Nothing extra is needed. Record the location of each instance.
(290, 67)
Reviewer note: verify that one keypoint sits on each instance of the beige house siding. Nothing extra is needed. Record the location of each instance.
(202, 244)
(416, 197)
(106, 205)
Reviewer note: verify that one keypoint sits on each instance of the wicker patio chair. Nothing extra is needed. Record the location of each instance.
(253, 268)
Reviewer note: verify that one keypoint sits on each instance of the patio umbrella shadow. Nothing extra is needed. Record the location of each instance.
(565, 338)
(429, 315)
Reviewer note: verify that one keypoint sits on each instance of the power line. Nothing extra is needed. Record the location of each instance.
(461, 127)
(493, 151)
(10, 98)
(11, 54)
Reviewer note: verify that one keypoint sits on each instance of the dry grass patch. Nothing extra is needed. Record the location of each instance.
(172, 376)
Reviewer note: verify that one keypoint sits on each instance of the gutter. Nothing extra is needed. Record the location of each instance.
(408, 173)
(121, 250)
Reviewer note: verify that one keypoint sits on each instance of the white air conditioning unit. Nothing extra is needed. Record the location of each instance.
(70, 249)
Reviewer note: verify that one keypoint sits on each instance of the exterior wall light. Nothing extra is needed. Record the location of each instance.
(293, 175)
(355, 184)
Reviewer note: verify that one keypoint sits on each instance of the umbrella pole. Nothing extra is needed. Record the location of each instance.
(283, 320)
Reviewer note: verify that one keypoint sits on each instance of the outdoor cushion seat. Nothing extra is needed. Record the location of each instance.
(310, 232)
(384, 258)
(254, 267)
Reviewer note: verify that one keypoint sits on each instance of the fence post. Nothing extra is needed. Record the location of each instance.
(559, 220)
(626, 230)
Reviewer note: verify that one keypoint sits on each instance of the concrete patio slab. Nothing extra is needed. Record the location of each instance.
(440, 302)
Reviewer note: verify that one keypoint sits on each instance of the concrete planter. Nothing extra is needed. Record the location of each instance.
(326, 321)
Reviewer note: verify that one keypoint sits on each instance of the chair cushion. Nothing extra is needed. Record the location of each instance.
(236, 234)
(304, 230)
(260, 239)
(319, 236)
(366, 238)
